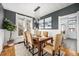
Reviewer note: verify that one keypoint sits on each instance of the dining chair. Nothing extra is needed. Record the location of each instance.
(52, 49)
(45, 33)
(32, 44)
(38, 33)
(58, 44)
(77, 53)
(25, 39)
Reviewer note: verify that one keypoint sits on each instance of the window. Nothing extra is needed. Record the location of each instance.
(48, 23)
(41, 24)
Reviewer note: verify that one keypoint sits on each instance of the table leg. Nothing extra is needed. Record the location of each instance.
(39, 50)
(51, 40)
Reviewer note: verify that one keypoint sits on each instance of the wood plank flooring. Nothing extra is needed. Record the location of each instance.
(8, 51)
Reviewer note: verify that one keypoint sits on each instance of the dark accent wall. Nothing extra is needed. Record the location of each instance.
(67, 10)
(1, 15)
(10, 15)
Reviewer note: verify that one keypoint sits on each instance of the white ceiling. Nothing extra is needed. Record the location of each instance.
(28, 8)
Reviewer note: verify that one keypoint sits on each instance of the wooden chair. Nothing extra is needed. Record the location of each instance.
(25, 39)
(32, 44)
(77, 53)
(24, 36)
(52, 49)
(45, 33)
(58, 43)
(38, 33)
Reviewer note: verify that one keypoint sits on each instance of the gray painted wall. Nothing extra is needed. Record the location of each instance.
(1, 15)
(10, 15)
(65, 11)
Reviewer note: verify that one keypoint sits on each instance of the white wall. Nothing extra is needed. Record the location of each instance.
(1, 39)
(6, 36)
(78, 32)
(1, 31)
(51, 32)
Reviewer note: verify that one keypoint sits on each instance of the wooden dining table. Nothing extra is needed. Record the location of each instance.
(40, 41)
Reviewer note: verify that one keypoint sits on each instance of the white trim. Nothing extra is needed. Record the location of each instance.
(78, 31)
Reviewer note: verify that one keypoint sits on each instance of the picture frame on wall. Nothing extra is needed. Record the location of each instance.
(48, 23)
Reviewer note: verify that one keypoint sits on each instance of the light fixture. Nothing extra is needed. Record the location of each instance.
(37, 8)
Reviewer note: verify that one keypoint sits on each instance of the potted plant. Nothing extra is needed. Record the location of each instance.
(8, 25)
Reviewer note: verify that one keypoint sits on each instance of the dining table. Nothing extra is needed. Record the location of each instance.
(41, 41)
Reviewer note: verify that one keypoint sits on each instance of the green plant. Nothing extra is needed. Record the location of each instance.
(8, 25)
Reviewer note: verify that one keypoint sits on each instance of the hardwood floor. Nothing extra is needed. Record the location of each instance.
(8, 51)
(69, 52)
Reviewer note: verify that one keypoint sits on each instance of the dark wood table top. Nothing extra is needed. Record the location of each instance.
(42, 38)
